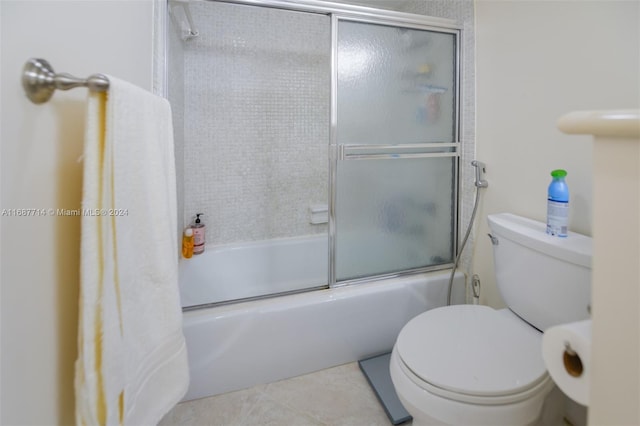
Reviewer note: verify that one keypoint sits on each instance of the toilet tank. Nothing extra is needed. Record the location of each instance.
(545, 280)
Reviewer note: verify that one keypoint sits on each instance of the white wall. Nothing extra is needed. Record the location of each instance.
(537, 60)
(40, 169)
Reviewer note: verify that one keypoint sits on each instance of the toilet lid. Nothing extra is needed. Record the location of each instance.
(473, 350)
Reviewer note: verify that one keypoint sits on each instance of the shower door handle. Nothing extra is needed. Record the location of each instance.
(418, 150)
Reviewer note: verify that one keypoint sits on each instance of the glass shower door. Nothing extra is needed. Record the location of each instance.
(256, 101)
(395, 146)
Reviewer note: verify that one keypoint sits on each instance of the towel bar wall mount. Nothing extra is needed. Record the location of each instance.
(40, 81)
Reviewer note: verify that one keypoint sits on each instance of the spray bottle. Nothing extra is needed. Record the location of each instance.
(558, 205)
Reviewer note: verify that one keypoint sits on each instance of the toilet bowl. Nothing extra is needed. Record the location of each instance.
(482, 368)
(474, 365)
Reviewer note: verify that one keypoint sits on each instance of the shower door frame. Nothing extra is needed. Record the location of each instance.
(343, 12)
(344, 152)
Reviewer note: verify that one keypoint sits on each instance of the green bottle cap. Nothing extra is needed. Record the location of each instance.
(559, 173)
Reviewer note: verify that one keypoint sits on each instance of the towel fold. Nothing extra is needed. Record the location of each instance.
(132, 363)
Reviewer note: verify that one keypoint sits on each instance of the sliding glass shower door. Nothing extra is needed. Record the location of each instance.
(255, 96)
(319, 140)
(395, 145)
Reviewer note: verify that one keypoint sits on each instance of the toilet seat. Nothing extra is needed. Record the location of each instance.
(483, 356)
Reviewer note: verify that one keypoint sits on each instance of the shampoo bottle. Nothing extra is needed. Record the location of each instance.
(558, 205)
(198, 235)
(187, 243)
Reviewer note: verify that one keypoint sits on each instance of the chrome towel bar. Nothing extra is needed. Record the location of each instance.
(40, 81)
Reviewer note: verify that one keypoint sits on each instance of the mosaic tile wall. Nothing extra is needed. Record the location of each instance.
(175, 93)
(256, 121)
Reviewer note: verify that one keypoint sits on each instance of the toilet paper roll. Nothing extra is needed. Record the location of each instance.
(566, 350)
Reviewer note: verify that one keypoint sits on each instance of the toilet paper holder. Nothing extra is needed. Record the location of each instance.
(572, 362)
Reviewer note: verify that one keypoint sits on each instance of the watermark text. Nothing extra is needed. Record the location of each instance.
(63, 212)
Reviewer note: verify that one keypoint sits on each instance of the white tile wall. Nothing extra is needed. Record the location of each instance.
(256, 121)
(175, 93)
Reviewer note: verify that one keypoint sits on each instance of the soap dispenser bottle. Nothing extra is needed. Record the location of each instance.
(198, 235)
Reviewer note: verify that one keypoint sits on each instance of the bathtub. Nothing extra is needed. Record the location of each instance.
(235, 346)
(238, 271)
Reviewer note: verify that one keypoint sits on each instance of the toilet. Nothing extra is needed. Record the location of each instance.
(475, 365)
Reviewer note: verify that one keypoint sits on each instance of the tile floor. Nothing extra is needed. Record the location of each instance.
(332, 397)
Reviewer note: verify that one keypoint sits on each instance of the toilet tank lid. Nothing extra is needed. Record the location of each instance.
(575, 248)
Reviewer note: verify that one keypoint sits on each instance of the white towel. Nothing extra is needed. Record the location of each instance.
(132, 362)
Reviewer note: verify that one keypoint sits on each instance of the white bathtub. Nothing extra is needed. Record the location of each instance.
(239, 271)
(239, 345)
